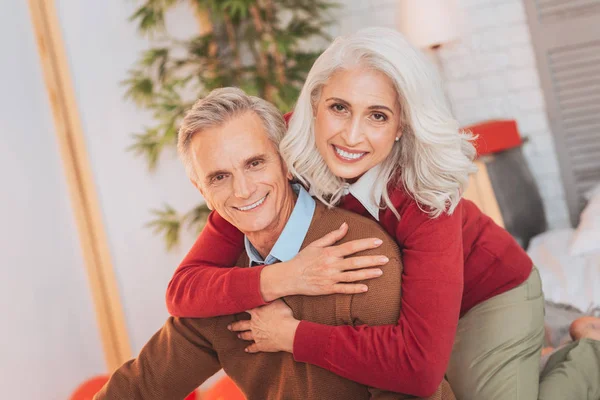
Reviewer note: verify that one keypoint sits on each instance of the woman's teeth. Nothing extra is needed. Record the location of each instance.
(254, 205)
(349, 156)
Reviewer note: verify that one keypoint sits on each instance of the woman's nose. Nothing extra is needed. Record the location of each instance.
(352, 133)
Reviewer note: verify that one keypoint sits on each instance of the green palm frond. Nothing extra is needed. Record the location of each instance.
(256, 45)
(150, 16)
(149, 145)
(140, 88)
(196, 217)
(237, 9)
(167, 223)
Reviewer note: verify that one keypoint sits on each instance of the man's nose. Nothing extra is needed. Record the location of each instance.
(243, 187)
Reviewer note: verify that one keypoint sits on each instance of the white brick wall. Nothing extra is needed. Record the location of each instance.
(490, 73)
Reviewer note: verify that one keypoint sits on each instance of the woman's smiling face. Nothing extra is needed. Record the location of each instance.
(357, 120)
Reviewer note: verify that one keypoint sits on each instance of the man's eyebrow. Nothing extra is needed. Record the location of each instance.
(374, 107)
(257, 157)
(213, 174)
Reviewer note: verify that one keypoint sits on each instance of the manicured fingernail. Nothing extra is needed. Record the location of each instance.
(246, 350)
(364, 288)
(239, 335)
(343, 225)
(384, 259)
(378, 242)
(229, 327)
(379, 272)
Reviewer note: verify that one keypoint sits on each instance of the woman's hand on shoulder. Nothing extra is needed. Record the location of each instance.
(323, 268)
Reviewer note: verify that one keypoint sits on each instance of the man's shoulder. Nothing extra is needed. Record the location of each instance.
(359, 227)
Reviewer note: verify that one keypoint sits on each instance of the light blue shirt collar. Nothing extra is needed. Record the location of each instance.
(288, 244)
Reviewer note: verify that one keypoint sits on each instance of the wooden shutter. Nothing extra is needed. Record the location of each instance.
(566, 37)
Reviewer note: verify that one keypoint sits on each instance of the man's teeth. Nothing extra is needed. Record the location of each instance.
(345, 154)
(251, 206)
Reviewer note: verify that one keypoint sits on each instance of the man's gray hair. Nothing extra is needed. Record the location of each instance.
(217, 108)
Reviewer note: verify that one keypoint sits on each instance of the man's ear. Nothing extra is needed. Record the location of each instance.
(286, 170)
(197, 186)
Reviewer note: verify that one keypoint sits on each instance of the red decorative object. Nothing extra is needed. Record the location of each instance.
(89, 388)
(495, 136)
(224, 389)
(192, 396)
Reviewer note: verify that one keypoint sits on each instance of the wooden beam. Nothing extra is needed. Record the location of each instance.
(84, 200)
(481, 192)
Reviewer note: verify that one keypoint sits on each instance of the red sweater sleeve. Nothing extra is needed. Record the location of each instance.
(203, 285)
(412, 356)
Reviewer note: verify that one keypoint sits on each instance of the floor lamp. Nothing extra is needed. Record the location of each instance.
(430, 24)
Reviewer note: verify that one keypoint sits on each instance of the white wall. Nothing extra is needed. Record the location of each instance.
(490, 73)
(50, 340)
(101, 46)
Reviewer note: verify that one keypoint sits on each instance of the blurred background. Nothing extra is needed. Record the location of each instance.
(96, 211)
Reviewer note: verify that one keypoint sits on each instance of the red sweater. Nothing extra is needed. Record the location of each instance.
(451, 263)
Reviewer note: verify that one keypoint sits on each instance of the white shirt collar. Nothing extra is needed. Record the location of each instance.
(368, 190)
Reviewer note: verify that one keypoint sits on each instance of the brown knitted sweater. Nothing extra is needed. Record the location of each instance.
(185, 351)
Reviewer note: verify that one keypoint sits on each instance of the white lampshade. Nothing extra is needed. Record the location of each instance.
(429, 23)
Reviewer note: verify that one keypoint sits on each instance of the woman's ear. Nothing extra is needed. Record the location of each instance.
(400, 132)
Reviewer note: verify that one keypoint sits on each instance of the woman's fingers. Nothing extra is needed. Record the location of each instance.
(239, 326)
(354, 246)
(360, 262)
(253, 348)
(353, 276)
(349, 288)
(247, 335)
(332, 237)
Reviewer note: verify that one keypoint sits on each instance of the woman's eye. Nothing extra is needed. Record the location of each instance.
(338, 107)
(379, 117)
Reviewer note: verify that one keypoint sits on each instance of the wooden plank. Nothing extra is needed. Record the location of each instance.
(481, 192)
(84, 200)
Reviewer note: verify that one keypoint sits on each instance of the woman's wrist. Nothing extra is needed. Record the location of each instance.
(289, 332)
(275, 283)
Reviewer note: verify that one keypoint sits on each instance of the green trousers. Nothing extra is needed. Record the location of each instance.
(497, 350)
(572, 372)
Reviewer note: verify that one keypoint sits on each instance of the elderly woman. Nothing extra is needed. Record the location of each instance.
(372, 133)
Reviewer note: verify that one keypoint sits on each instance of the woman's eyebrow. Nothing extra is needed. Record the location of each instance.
(374, 107)
(344, 102)
(378, 107)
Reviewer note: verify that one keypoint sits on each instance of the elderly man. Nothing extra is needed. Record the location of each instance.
(232, 147)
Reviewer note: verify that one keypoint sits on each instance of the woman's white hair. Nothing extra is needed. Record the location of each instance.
(433, 158)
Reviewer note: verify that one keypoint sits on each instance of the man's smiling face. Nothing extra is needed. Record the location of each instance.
(241, 175)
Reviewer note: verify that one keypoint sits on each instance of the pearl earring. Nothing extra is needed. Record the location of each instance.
(397, 138)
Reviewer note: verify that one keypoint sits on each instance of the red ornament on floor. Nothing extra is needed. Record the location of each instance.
(89, 388)
(224, 389)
